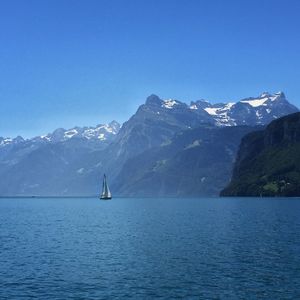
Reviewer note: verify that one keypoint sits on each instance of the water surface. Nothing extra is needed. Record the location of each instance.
(214, 248)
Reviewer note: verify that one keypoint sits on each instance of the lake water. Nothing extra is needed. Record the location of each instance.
(214, 248)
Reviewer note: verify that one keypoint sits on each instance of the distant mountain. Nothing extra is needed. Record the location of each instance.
(100, 132)
(98, 137)
(38, 165)
(196, 162)
(249, 111)
(71, 162)
(268, 162)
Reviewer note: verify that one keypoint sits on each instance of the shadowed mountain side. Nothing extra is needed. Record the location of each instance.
(197, 162)
(268, 161)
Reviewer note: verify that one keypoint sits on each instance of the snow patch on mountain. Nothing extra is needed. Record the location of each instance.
(70, 133)
(212, 110)
(263, 99)
(255, 102)
(219, 110)
(9, 141)
(170, 103)
(6, 141)
(220, 113)
(193, 106)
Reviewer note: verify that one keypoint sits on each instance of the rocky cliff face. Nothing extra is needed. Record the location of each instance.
(285, 131)
(268, 161)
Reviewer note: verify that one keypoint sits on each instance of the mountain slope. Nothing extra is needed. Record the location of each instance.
(197, 162)
(153, 125)
(268, 161)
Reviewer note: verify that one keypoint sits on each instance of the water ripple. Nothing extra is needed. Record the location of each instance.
(150, 248)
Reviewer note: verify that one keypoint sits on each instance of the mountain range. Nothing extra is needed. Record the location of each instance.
(167, 148)
(102, 132)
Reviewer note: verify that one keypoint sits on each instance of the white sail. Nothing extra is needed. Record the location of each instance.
(106, 194)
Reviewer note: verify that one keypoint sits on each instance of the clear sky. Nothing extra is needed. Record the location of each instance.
(65, 63)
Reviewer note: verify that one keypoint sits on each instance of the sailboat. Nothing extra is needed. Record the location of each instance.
(106, 194)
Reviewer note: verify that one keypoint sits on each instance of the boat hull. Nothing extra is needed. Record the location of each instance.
(105, 198)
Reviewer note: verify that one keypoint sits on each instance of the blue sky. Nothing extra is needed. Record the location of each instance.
(66, 63)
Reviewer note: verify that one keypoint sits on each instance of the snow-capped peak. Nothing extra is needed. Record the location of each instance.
(265, 95)
(10, 141)
(169, 103)
(6, 141)
(263, 99)
(70, 133)
(220, 112)
(248, 111)
(99, 132)
(199, 104)
(280, 93)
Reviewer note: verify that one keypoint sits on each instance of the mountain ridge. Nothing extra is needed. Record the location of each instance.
(76, 163)
(211, 111)
(100, 132)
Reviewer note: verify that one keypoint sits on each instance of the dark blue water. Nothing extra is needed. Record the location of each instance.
(150, 248)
